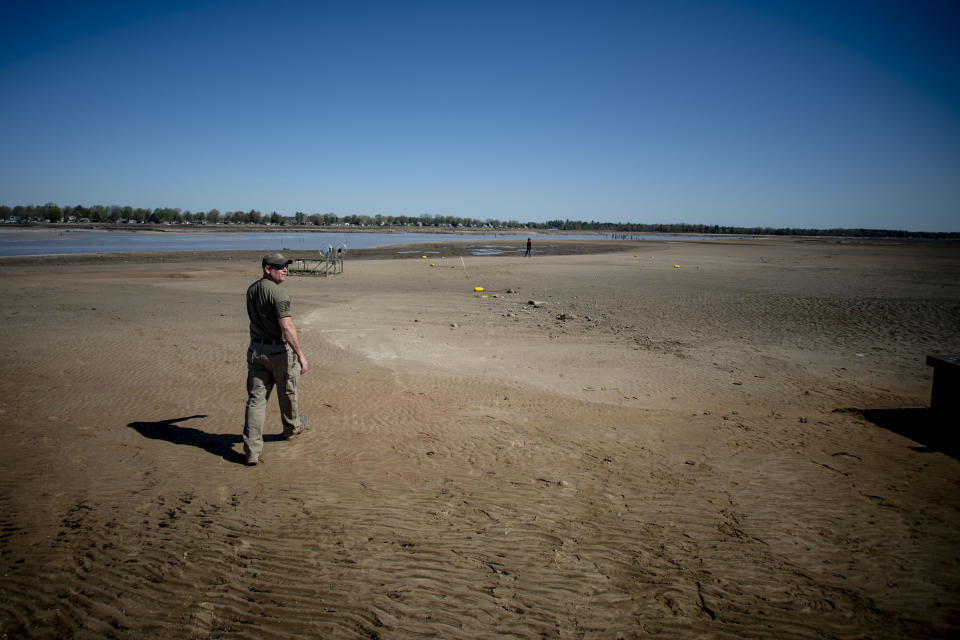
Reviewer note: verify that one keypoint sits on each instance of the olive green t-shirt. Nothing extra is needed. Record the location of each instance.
(267, 302)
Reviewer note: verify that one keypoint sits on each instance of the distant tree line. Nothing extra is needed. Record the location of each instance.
(51, 212)
(708, 229)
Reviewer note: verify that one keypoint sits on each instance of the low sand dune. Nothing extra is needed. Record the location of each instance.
(733, 447)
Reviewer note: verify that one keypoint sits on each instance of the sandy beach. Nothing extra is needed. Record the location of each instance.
(679, 440)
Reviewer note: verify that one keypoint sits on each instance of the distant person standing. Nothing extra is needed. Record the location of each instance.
(529, 249)
(274, 357)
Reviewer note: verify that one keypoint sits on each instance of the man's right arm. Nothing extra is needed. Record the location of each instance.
(289, 332)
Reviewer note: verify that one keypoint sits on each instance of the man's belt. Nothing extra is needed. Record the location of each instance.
(255, 341)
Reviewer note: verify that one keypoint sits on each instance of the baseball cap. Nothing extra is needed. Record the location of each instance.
(274, 258)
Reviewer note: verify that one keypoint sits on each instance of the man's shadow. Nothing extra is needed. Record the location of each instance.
(219, 444)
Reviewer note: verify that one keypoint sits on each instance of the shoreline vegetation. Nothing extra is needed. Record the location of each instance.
(167, 220)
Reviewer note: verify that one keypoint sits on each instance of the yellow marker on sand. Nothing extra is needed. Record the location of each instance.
(478, 289)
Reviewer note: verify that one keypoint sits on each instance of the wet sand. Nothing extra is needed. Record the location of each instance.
(737, 446)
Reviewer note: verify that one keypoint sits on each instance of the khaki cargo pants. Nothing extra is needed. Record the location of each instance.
(269, 365)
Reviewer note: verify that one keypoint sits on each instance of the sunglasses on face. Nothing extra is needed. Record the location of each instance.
(278, 267)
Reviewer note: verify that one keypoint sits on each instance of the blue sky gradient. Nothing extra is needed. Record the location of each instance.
(780, 114)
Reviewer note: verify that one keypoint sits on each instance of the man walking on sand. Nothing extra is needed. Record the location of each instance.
(274, 357)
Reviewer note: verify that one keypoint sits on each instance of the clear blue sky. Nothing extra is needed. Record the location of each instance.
(781, 114)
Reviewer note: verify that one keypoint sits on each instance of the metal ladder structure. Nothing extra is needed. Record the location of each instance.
(330, 263)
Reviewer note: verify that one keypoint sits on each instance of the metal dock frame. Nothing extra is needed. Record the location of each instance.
(329, 263)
